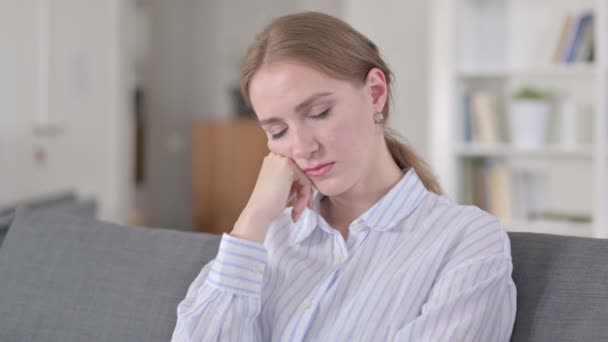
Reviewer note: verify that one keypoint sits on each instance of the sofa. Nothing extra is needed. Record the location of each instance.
(65, 277)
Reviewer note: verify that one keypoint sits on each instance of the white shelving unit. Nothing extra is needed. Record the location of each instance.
(503, 45)
(508, 151)
(580, 70)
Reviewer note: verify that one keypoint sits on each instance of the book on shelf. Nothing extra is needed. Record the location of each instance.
(489, 187)
(481, 116)
(563, 38)
(528, 190)
(576, 42)
(518, 195)
(467, 120)
(560, 216)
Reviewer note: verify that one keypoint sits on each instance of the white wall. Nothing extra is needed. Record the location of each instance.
(399, 28)
(87, 93)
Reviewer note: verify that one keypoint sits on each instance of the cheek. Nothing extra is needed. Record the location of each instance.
(349, 138)
(340, 138)
(279, 147)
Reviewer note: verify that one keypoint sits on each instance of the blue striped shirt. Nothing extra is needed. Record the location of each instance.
(415, 267)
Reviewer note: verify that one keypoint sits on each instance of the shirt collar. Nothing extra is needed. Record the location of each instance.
(398, 203)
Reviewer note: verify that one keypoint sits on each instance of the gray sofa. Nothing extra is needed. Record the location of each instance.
(68, 278)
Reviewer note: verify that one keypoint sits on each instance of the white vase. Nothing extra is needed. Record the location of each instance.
(528, 123)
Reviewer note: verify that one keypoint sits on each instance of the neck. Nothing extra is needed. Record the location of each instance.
(340, 210)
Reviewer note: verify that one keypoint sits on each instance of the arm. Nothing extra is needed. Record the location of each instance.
(474, 300)
(223, 302)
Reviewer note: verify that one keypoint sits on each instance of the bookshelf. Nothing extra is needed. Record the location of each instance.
(580, 70)
(508, 151)
(487, 58)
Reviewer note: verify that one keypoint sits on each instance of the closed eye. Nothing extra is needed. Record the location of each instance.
(321, 115)
(278, 135)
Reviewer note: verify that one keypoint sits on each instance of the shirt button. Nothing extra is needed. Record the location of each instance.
(357, 227)
(307, 305)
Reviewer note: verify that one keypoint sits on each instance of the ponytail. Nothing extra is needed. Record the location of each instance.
(406, 157)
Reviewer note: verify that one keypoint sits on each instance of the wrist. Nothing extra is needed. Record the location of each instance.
(250, 227)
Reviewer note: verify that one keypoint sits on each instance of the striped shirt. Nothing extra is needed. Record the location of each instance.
(415, 267)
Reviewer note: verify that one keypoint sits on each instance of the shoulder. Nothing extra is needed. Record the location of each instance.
(470, 232)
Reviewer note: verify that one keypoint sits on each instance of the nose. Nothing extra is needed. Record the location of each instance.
(304, 144)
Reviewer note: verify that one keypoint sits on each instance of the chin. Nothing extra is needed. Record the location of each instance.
(331, 186)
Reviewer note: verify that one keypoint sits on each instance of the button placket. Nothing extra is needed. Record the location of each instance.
(357, 227)
(322, 288)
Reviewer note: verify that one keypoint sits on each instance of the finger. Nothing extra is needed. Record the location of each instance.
(290, 200)
(294, 215)
(300, 201)
(310, 196)
(303, 186)
(292, 195)
(307, 195)
(299, 175)
(305, 198)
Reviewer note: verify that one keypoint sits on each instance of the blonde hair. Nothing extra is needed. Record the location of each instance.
(336, 49)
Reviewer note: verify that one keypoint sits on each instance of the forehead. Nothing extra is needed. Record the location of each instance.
(278, 87)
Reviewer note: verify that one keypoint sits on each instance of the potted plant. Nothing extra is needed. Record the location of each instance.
(528, 117)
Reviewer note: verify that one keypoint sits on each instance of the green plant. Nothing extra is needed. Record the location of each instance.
(529, 93)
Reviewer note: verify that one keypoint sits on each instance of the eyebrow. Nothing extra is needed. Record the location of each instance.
(300, 107)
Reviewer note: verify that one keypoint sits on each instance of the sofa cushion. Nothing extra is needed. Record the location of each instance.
(562, 288)
(66, 278)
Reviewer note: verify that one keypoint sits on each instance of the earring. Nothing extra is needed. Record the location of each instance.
(379, 118)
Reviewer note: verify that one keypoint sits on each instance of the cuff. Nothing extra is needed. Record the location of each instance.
(239, 266)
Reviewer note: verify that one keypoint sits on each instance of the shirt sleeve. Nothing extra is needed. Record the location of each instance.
(472, 301)
(223, 301)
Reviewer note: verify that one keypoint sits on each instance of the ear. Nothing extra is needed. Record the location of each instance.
(377, 88)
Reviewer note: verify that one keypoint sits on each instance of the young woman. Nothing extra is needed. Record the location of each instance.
(370, 250)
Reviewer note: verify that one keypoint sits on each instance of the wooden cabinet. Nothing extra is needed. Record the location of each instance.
(227, 159)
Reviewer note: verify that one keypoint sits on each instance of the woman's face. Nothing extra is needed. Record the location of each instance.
(316, 120)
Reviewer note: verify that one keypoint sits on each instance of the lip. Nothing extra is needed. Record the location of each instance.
(319, 170)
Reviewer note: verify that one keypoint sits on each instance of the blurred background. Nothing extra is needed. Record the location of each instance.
(131, 107)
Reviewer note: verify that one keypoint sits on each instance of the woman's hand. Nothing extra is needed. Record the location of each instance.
(280, 182)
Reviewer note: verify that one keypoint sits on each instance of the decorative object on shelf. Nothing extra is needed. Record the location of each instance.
(528, 117)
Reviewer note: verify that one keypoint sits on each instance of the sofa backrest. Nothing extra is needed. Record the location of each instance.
(67, 278)
(562, 288)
